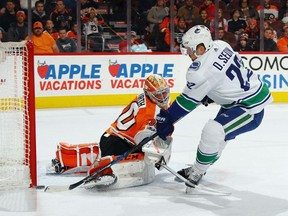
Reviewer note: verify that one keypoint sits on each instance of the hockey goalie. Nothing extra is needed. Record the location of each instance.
(135, 123)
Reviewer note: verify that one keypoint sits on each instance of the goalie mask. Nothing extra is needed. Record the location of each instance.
(196, 35)
(157, 90)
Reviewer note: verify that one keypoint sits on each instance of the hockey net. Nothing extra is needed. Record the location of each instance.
(17, 115)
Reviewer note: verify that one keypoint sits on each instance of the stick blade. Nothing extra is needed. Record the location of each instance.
(56, 188)
(72, 186)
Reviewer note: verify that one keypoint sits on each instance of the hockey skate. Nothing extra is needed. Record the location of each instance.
(101, 180)
(185, 172)
(195, 176)
(55, 167)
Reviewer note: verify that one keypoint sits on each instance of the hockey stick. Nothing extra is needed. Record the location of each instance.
(191, 185)
(88, 178)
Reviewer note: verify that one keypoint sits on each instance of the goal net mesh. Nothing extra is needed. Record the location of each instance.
(14, 116)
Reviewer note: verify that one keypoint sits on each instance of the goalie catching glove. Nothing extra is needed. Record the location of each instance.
(158, 150)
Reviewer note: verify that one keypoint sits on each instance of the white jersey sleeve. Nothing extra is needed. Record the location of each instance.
(221, 75)
(200, 81)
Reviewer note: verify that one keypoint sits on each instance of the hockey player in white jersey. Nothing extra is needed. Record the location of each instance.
(216, 73)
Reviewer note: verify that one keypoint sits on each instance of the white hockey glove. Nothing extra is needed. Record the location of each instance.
(157, 150)
(147, 132)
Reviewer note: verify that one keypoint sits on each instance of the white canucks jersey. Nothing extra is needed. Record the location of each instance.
(221, 75)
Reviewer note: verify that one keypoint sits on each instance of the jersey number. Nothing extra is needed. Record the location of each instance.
(235, 69)
(127, 119)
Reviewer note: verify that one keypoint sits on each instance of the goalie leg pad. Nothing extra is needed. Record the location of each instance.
(129, 172)
(77, 155)
(133, 173)
(72, 158)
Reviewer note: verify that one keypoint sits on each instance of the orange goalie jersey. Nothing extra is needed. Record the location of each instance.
(136, 121)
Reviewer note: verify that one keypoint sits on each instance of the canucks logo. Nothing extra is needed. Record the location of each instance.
(195, 65)
(197, 30)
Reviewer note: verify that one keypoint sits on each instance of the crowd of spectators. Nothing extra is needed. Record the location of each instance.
(237, 22)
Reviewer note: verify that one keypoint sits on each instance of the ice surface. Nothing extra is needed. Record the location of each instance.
(253, 168)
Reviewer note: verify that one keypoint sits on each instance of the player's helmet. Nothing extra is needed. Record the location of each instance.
(196, 35)
(157, 90)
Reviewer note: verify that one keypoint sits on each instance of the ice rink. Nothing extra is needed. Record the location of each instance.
(253, 168)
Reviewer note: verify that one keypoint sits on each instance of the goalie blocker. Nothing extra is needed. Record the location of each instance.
(134, 170)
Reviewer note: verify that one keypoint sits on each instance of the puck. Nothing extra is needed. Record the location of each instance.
(39, 187)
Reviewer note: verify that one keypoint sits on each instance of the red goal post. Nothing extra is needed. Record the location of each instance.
(17, 115)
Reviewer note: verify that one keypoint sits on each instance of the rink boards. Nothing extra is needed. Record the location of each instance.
(110, 79)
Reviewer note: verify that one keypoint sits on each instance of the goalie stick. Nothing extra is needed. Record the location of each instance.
(59, 188)
(191, 185)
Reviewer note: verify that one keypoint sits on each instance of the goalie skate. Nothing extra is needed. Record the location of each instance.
(101, 182)
(55, 167)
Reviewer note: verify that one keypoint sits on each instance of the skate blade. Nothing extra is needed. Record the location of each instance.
(203, 190)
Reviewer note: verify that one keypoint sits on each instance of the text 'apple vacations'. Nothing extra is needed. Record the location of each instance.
(70, 85)
(134, 83)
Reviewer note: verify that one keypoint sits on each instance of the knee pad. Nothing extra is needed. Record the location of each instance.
(212, 136)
